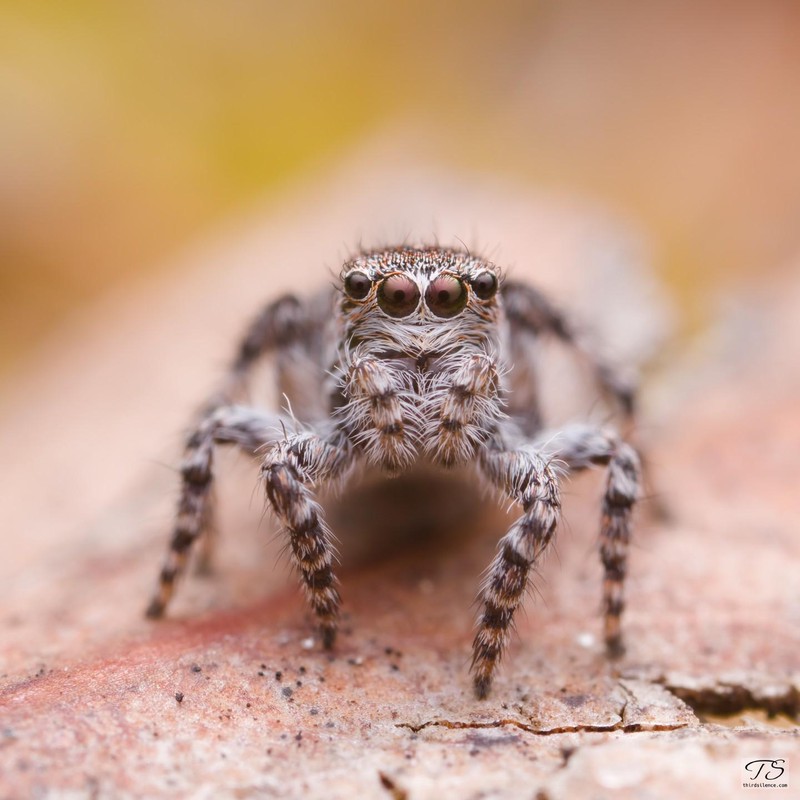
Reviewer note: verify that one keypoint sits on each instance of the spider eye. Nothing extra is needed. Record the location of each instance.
(398, 295)
(357, 285)
(446, 296)
(485, 285)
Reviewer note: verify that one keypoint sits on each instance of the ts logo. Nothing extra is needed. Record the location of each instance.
(767, 768)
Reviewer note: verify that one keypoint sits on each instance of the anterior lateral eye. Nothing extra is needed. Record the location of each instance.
(446, 296)
(398, 295)
(485, 285)
(357, 285)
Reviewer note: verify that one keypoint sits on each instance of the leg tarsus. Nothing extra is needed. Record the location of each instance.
(615, 646)
(328, 637)
(482, 685)
(156, 609)
(204, 567)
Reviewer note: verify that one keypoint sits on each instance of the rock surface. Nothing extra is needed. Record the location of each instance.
(232, 696)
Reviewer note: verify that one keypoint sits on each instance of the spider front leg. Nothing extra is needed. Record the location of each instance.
(288, 471)
(526, 477)
(245, 427)
(380, 413)
(582, 446)
(465, 411)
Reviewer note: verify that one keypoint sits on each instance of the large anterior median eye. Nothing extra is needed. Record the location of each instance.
(357, 285)
(398, 295)
(446, 296)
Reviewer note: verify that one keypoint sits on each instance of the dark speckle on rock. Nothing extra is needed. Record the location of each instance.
(480, 740)
(574, 700)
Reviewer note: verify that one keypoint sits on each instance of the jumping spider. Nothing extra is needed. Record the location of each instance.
(418, 355)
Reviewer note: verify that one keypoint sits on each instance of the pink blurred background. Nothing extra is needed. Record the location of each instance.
(129, 128)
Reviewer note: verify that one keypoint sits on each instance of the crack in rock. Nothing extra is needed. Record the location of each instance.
(646, 706)
(652, 707)
(725, 697)
(458, 724)
(617, 726)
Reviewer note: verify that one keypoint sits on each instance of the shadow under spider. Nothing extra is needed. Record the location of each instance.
(377, 519)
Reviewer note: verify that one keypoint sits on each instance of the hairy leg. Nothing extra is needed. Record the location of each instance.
(249, 429)
(580, 447)
(531, 312)
(465, 411)
(289, 470)
(526, 477)
(380, 413)
(280, 325)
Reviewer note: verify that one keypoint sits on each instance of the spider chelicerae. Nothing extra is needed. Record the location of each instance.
(418, 355)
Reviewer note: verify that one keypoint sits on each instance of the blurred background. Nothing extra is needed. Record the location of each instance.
(129, 128)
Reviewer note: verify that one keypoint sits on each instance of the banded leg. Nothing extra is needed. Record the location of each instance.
(379, 414)
(527, 478)
(621, 494)
(247, 428)
(279, 325)
(288, 471)
(530, 311)
(207, 542)
(467, 415)
(582, 446)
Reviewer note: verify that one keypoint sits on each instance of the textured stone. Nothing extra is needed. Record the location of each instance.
(89, 689)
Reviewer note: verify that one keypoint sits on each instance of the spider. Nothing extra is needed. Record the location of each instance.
(418, 355)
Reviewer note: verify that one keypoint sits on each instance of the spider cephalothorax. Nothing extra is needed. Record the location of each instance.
(416, 356)
(419, 355)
